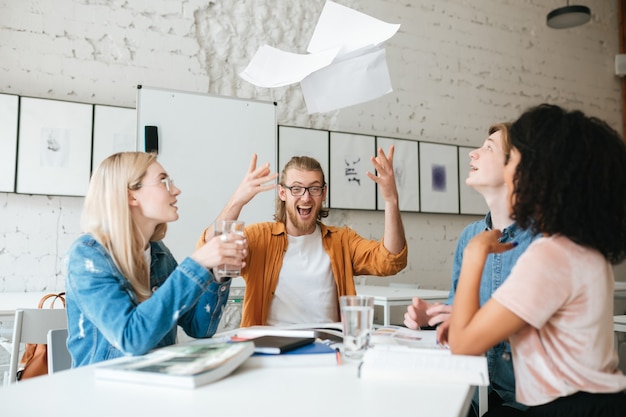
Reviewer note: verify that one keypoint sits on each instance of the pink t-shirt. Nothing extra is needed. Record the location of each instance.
(564, 291)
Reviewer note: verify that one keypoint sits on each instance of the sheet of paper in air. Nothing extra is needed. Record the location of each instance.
(345, 64)
(271, 67)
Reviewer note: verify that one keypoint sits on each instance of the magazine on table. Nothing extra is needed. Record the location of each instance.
(185, 366)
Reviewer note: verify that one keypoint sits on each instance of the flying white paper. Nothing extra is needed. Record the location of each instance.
(346, 63)
(346, 83)
(286, 67)
(342, 26)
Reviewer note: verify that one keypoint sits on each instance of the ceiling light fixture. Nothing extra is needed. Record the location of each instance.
(568, 16)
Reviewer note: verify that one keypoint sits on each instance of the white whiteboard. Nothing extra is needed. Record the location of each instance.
(205, 144)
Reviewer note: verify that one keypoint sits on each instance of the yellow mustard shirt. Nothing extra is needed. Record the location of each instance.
(349, 254)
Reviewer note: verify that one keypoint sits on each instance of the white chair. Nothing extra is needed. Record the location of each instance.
(59, 358)
(31, 326)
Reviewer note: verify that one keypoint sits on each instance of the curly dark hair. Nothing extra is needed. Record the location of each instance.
(571, 179)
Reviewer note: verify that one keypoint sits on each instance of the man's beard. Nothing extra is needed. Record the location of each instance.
(297, 222)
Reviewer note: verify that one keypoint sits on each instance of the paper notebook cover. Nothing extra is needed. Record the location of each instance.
(398, 335)
(185, 366)
(388, 362)
(323, 331)
(279, 344)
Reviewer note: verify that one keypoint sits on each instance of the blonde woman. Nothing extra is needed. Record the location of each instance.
(126, 294)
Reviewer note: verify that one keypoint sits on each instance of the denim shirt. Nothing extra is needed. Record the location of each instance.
(105, 319)
(497, 268)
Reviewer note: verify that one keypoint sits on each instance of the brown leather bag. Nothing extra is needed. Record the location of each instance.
(34, 361)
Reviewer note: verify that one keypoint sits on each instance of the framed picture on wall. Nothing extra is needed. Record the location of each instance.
(114, 130)
(54, 147)
(8, 141)
(472, 202)
(439, 178)
(350, 188)
(297, 141)
(406, 170)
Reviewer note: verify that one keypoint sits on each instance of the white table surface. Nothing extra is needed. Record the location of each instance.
(11, 301)
(388, 297)
(312, 391)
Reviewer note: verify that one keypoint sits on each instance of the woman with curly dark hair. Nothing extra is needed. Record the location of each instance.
(566, 177)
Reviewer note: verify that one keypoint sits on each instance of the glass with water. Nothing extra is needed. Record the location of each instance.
(226, 229)
(357, 318)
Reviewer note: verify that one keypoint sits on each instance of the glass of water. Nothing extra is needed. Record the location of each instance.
(229, 230)
(357, 317)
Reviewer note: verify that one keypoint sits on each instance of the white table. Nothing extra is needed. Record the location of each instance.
(388, 297)
(619, 326)
(11, 301)
(276, 391)
(620, 289)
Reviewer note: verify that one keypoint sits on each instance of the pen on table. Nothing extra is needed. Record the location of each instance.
(338, 355)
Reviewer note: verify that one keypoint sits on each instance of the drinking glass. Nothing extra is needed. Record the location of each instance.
(229, 230)
(357, 317)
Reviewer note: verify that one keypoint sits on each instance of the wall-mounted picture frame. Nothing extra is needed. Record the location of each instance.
(471, 201)
(54, 147)
(350, 188)
(114, 130)
(406, 170)
(299, 141)
(9, 105)
(439, 178)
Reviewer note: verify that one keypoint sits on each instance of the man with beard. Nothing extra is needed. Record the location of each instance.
(296, 267)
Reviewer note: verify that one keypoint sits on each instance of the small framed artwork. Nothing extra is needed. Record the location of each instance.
(472, 202)
(350, 187)
(298, 141)
(439, 178)
(8, 141)
(406, 170)
(54, 147)
(114, 130)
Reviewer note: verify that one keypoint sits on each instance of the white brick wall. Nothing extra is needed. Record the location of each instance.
(456, 66)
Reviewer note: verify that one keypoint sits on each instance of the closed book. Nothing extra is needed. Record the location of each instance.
(279, 344)
(313, 355)
(185, 366)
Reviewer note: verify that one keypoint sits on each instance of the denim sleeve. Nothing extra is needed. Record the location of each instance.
(202, 320)
(106, 299)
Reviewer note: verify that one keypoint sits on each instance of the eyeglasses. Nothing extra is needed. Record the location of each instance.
(169, 184)
(298, 191)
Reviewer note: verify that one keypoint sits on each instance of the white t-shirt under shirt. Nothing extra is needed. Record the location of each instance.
(565, 292)
(306, 290)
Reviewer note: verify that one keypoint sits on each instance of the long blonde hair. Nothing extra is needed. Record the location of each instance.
(107, 217)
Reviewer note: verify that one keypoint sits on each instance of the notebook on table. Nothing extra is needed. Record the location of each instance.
(275, 345)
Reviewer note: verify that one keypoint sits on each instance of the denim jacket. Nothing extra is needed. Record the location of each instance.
(497, 268)
(106, 321)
